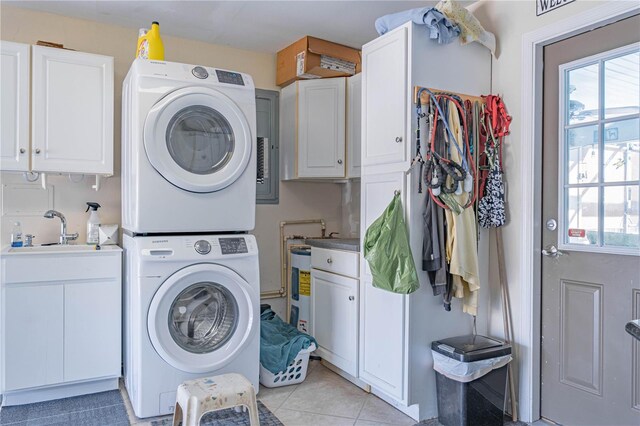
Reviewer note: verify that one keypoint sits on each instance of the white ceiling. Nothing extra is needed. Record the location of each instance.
(264, 26)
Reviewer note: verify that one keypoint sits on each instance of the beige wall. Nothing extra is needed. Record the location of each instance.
(297, 200)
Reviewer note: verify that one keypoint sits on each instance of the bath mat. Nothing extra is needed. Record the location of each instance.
(97, 409)
(230, 417)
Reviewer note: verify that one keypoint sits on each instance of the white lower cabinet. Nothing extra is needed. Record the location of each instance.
(60, 324)
(90, 311)
(33, 336)
(334, 315)
(382, 345)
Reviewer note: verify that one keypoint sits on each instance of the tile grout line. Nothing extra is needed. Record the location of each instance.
(362, 408)
(321, 414)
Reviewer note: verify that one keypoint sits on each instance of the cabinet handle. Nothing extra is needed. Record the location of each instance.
(399, 139)
(37, 150)
(339, 161)
(329, 260)
(22, 150)
(351, 298)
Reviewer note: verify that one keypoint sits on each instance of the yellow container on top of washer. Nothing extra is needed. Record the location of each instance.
(150, 44)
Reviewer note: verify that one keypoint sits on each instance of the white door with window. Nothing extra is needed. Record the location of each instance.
(591, 237)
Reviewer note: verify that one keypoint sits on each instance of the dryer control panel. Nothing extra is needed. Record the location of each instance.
(230, 77)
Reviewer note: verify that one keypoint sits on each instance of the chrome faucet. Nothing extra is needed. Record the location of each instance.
(64, 237)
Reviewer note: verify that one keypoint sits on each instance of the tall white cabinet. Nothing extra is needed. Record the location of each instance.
(14, 109)
(396, 330)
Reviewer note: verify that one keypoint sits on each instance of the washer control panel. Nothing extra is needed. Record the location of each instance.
(202, 246)
(209, 247)
(200, 72)
(233, 245)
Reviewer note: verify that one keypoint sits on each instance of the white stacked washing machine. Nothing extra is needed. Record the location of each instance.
(192, 288)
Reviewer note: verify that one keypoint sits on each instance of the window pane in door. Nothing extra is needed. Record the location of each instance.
(582, 216)
(622, 85)
(621, 216)
(582, 154)
(622, 150)
(583, 94)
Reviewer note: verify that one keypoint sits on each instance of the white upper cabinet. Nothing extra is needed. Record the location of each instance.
(14, 112)
(354, 125)
(313, 129)
(385, 98)
(72, 112)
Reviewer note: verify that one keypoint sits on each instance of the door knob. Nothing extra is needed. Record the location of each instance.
(351, 298)
(22, 150)
(339, 161)
(37, 150)
(329, 260)
(552, 251)
(399, 139)
(552, 224)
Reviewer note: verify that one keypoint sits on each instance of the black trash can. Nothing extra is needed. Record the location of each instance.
(465, 400)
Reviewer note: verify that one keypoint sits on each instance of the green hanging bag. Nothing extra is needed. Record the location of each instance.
(386, 248)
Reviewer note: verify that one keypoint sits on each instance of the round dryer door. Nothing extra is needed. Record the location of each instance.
(197, 139)
(201, 317)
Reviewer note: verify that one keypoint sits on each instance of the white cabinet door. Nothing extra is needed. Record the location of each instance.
(321, 128)
(354, 125)
(334, 317)
(92, 323)
(382, 339)
(32, 335)
(385, 99)
(383, 329)
(72, 112)
(14, 110)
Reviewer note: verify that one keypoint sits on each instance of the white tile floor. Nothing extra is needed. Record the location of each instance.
(324, 398)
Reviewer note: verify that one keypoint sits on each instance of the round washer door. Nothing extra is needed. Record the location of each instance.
(197, 139)
(201, 317)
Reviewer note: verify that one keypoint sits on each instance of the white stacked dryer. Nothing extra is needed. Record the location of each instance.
(192, 288)
(188, 149)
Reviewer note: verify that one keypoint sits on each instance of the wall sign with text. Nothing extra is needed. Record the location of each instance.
(544, 6)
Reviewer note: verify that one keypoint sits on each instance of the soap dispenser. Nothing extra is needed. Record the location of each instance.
(93, 224)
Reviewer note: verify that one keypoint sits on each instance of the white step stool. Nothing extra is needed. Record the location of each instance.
(197, 397)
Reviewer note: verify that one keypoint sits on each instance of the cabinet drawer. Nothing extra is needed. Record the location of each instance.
(61, 267)
(336, 261)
